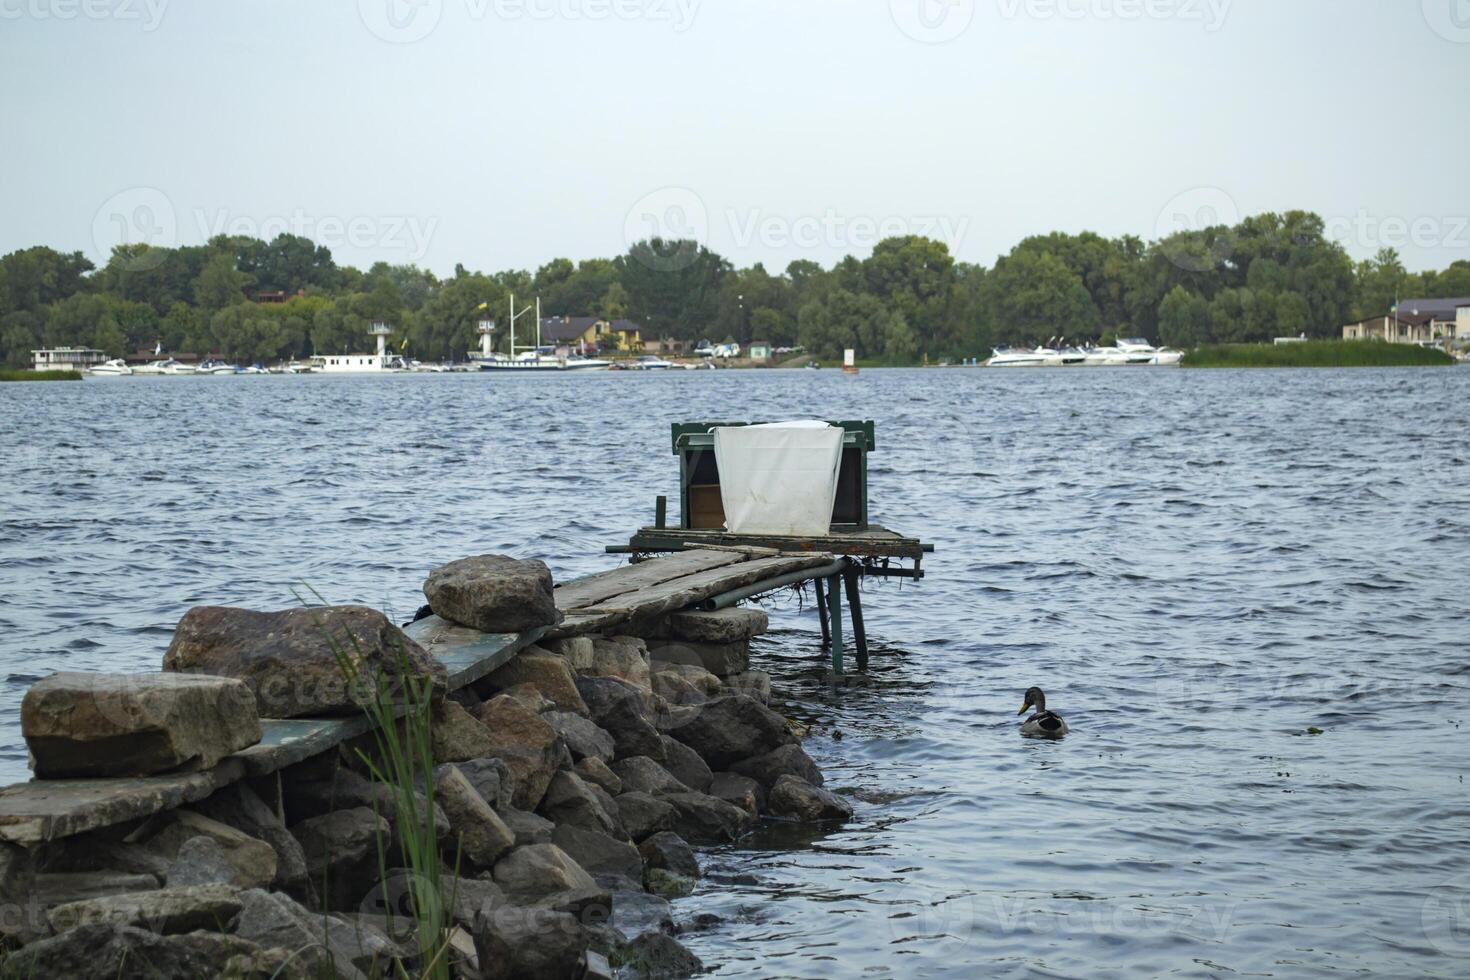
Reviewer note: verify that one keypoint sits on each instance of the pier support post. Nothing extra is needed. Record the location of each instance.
(834, 603)
(822, 611)
(850, 579)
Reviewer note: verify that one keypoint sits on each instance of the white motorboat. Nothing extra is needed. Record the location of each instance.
(215, 367)
(253, 369)
(117, 367)
(166, 366)
(654, 363)
(1036, 357)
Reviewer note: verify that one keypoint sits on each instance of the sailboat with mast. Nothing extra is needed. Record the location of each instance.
(527, 357)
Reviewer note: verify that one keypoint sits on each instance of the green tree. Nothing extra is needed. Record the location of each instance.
(1184, 319)
(220, 284)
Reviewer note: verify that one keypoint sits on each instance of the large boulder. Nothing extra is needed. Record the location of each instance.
(493, 593)
(493, 780)
(731, 729)
(85, 725)
(684, 683)
(545, 876)
(598, 853)
(571, 800)
(583, 738)
(457, 735)
(481, 836)
(624, 711)
(643, 815)
(544, 671)
(341, 849)
(167, 910)
(796, 799)
(107, 952)
(576, 649)
(529, 828)
(641, 774)
(529, 944)
(248, 862)
(325, 941)
(742, 791)
(525, 742)
(302, 662)
(701, 817)
(596, 771)
(657, 954)
(719, 626)
(788, 759)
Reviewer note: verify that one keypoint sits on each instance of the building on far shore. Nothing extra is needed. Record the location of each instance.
(67, 358)
(590, 333)
(1417, 321)
(666, 347)
(761, 350)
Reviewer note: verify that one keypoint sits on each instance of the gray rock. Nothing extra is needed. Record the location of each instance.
(289, 659)
(720, 626)
(732, 729)
(105, 952)
(393, 899)
(481, 836)
(583, 738)
(641, 774)
(252, 862)
(52, 888)
(598, 853)
(701, 817)
(200, 861)
(686, 765)
(576, 649)
(643, 815)
(492, 778)
(529, 944)
(626, 712)
(325, 941)
(720, 659)
(89, 725)
(596, 771)
(528, 827)
(545, 876)
(571, 800)
(787, 759)
(341, 848)
(528, 696)
(668, 851)
(546, 672)
(752, 683)
(635, 910)
(656, 954)
(742, 791)
(166, 910)
(241, 807)
(457, 735)
(526, 743)
(493, 593)
(684, 683)
(797, 799)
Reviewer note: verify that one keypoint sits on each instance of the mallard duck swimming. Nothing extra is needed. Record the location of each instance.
(1043, 724)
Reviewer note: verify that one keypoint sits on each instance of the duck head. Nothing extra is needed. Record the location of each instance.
(1034, 698)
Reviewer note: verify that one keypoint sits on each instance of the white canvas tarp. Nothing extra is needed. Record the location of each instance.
(779, 478)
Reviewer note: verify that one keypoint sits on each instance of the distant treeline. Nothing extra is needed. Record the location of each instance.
(1331, 353)
(1271, 275)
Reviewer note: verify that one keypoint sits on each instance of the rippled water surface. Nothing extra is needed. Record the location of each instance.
(1199, 567)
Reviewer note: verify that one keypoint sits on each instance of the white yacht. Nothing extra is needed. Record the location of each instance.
(1036, 357)
(527, 358)
(165, 366)
(215, 367)
(654, 363)
(116, 367)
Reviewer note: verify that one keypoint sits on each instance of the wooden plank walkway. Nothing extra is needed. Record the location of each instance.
(48, 809)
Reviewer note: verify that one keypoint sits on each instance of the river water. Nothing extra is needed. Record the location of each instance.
(1202, 570)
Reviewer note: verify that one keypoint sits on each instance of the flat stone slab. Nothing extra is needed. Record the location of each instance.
(728, 625)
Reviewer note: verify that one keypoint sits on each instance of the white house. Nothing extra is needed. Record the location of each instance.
(67, 358)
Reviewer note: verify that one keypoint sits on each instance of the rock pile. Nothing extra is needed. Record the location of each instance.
(568, 787)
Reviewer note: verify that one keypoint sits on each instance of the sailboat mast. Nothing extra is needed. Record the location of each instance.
(512, 326)
(538, 326)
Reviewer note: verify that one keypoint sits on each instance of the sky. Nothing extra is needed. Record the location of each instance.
(503, 133)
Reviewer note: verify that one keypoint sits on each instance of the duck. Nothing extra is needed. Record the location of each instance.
(1043, 724)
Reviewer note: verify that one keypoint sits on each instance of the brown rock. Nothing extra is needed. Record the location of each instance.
(290, 659)
(624, 657)
(731, 729)
(457, 735)
(720, 659)
(545, 876)
(526, 743)
(481, 835)
(166, 910)
(493, 593)
(253, 861)
(86, 725)
(543, 670)
(742, 791)
(720, 626)
(797, 799)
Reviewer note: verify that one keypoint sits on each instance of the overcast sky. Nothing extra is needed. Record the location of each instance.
(502, 133)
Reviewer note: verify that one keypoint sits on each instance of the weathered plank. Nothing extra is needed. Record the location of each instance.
(871, 542)
(630, 578)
